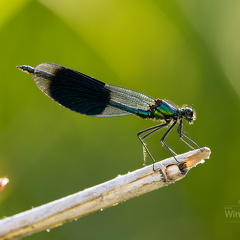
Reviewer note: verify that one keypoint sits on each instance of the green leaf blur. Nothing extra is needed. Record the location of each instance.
(183, 51)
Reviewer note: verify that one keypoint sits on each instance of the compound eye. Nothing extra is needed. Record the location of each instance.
(189, 114)
(189, 111)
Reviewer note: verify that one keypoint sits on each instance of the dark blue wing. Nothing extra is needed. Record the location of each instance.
(86, 95)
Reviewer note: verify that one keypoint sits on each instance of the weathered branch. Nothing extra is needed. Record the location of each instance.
(102, 196)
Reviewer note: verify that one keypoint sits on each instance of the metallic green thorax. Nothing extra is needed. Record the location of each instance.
(160, 110)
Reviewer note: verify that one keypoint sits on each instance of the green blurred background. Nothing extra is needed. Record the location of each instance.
(183, 51)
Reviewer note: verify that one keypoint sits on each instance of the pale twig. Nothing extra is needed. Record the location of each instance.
(102, 196)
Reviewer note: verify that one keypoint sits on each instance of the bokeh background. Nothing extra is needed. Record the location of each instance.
(187, 52)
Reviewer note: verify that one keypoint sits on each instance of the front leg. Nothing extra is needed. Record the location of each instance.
(181, 135)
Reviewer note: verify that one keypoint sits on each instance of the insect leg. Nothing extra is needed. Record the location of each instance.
(181, 135)
(164, 136)
(148, 132)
